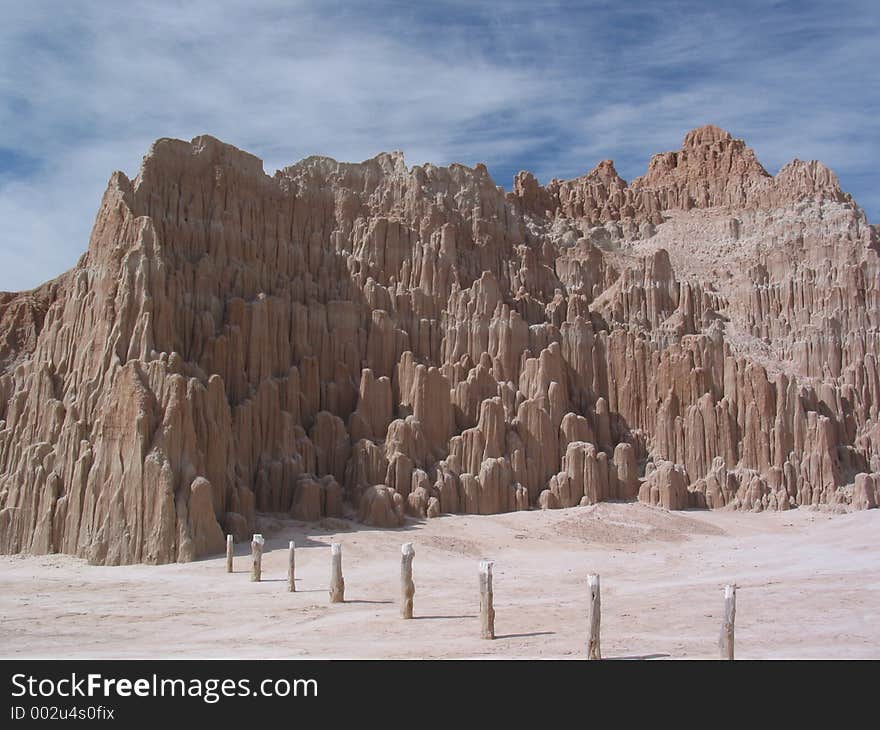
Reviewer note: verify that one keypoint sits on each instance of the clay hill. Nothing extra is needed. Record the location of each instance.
(382, 341)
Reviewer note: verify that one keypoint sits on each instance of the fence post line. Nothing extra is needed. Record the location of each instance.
(337, 583)
(726, 641)
(407, 587)
(593, 649)
(291, 564)
(257, 551)
(487, 610)
(229, 552)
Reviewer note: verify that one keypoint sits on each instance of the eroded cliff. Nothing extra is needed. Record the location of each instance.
(388, 340)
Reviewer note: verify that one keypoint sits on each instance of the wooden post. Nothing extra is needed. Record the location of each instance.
(337, 584)
(407, 587)
(593, 650)
(291, 562)
(257, 552)
(487, 611)
(726, 641)
(229, 551)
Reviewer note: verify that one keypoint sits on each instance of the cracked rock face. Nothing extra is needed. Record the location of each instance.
(380, 341)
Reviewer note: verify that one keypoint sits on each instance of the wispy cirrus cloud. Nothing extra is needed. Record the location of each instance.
(86, 87)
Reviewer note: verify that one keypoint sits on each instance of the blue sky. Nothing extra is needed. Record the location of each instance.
(550, 87)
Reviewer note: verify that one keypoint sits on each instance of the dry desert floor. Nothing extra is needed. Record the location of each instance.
(808, 587)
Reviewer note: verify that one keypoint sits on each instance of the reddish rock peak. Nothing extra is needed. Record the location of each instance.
(799, 179)
(390, 162)
(711, 169)
(606, 172)
(531, 195)
(706, 135)
(167, 154)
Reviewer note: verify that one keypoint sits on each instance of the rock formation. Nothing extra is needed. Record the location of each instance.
(382, 341)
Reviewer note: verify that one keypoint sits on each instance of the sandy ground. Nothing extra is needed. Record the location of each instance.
(808, 587)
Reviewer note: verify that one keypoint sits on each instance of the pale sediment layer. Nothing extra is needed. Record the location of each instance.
(808, 584)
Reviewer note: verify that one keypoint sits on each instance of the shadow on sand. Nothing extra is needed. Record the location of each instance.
(523, 636)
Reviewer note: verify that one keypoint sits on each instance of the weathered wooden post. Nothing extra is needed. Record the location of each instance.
(229, 550)
(407, 587)
(291, 562)
(487, 611)
(726, 641)
(593, 649)
(337, 584)
(257, 551)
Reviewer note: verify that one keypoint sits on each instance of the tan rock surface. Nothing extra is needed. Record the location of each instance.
(234, 345)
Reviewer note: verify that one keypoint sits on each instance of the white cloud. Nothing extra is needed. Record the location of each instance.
(85, 87)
